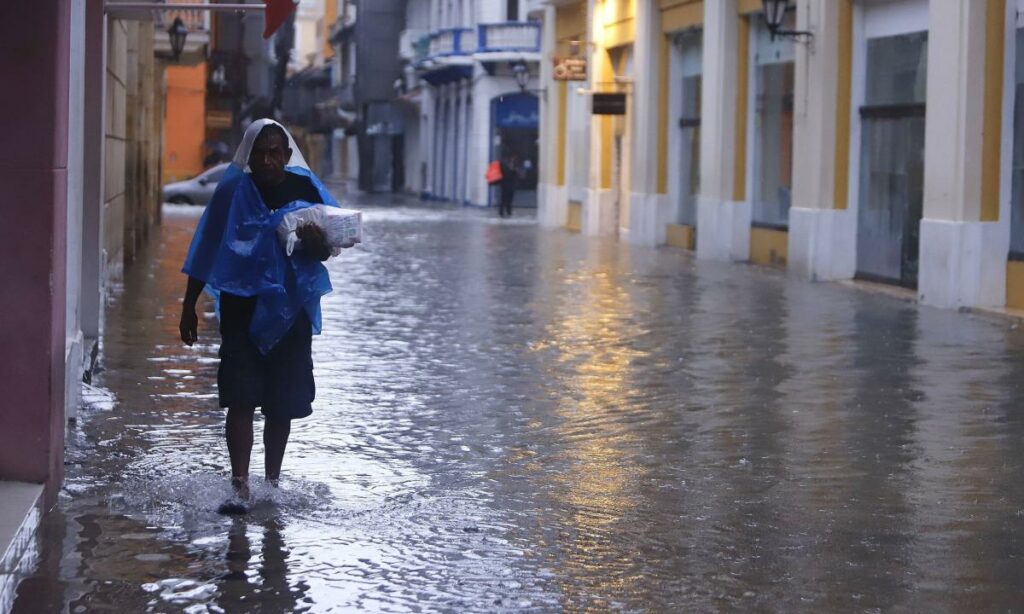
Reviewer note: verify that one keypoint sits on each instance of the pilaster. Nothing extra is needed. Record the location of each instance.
(822, 231)
(648, 213)
(964, 236)
(551, 193)
(600, 217)
(723, 214)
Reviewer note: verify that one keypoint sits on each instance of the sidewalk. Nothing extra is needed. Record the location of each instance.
(20, 512)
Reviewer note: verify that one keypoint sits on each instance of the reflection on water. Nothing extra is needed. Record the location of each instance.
(510, 419)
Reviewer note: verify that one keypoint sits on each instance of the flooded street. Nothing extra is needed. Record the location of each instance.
(510, 419)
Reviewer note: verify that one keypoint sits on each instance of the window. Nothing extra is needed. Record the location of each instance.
(773, 127)
(511, 10)
(1017, 198)
(689, 125)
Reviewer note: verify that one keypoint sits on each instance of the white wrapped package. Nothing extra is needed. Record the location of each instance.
(341, 227)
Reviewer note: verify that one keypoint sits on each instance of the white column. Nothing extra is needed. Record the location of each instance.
(465, 138)
(484, 90)
(74, 339)
(822, 238)
(489, 11)
(551, 196)
(648, 210)
(599, 217)
(962, 259)
(723, 224)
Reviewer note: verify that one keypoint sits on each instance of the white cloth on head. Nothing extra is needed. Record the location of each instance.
(241, 159)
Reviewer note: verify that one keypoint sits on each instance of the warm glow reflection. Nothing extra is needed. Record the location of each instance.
(592, 333)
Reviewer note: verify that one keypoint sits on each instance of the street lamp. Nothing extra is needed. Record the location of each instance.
(521, 74)
(178, 32)
(775, 16)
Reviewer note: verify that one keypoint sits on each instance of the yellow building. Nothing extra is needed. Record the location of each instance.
(184, 122)
(812, 151)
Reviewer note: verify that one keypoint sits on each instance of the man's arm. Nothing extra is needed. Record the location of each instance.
(189, 325)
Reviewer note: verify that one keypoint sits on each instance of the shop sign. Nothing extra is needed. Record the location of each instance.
(571, 68)
(609, 103)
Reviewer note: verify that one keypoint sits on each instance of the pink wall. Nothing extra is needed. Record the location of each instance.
(34, 43)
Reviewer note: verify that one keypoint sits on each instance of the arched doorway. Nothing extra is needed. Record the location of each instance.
(515, 119)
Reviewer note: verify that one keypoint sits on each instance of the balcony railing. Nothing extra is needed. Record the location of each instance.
(453, 41)
(522, 36)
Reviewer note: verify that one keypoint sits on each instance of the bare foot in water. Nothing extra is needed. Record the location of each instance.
(238, 504)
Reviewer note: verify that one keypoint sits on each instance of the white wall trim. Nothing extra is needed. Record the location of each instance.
(822, 243)
(648, 216)
(552, 205)
(963, 264)
(599, 219)
(724, 230)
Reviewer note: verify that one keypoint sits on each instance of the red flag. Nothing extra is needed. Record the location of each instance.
(276, 12)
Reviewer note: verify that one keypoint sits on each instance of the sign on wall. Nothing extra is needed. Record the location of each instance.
(609, 104)
(572, 68)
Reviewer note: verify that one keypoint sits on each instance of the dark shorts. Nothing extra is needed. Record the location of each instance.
(280, 382)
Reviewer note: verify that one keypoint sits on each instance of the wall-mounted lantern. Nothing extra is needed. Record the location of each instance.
(178, 32)
(522, 75)
(775, 17)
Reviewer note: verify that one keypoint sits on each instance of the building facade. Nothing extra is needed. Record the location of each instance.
(884, 145)
(82, 171)
(369, 137)
(476, 96)
(184, 103)
(245, 80)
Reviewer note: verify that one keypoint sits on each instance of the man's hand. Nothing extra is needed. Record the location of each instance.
(313, 241)
(189, 325)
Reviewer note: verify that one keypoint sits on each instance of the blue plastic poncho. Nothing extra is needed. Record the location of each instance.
(235, 249)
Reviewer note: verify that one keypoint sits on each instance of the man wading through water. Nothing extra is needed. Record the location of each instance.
(269, 302)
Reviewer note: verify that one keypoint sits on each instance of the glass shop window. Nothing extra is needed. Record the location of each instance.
(891, 192)
(773, 76)
(1017, 199)
(689, 124)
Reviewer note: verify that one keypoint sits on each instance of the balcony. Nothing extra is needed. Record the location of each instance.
(511, 37)
(446, 55)
(451, 42)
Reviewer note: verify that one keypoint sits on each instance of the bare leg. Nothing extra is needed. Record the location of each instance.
(239, 436)
(275, 439)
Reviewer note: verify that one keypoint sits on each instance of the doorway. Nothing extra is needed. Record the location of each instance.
(515, 119)
(891, 184)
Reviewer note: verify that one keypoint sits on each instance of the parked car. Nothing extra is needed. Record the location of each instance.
(197, 190)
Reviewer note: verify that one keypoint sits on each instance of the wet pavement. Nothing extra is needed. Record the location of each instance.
(510, 419)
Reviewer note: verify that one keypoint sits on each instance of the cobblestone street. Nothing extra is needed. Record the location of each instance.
(510, 419)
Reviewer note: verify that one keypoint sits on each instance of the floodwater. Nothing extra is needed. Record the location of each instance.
(510, 419)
